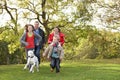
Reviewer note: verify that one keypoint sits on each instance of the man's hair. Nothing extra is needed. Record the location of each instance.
(36, 22)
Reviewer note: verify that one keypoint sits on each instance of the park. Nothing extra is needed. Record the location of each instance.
(91, 31)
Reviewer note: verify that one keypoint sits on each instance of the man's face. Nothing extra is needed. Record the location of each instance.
(36, 25)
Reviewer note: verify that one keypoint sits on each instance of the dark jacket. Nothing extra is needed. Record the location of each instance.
(42, 34)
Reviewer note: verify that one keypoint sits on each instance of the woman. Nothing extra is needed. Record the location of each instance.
(28, 38)
(56, 31)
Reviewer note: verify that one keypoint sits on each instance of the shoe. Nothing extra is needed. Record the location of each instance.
(51, 69)
(58, 72)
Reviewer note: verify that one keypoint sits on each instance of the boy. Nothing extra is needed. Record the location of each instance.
(54, 53)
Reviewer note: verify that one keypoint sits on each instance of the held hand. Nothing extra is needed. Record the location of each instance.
(37, 44)
(43, 55)
(60, 59)
(26, 44)
(49, 58)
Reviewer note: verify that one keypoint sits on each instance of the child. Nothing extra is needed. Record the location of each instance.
(55, 53)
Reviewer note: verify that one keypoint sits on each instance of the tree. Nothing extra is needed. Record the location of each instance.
(107, 13)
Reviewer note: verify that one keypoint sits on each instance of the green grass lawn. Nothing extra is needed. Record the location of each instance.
(70, 70)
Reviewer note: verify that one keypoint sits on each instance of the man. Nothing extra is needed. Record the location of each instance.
(42, 34)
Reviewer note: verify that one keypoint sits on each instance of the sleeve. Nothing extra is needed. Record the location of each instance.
(43, 38)
(46, 51)
(42, 34)
(38, 37)
(62, 53)
(22, 39)
(50, 38)
(62, 40)
(50, 51)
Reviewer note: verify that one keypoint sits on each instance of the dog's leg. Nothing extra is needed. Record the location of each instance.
(25, 66)
(32, 68)
(37, 66)
(28, 61)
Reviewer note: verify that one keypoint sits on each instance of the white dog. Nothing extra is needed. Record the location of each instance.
(33, 61)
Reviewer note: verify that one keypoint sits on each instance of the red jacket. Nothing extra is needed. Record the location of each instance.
(50, 38)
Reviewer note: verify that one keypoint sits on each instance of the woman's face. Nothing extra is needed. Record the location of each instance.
(30, 28)
(56, 30)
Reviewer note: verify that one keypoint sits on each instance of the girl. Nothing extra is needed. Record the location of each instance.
(28, 38)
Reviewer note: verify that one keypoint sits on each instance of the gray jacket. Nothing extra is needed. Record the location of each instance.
(23, 39)
(48, 51)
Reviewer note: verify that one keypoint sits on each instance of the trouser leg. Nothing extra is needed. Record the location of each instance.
(57, 65)
(37, 53)
(52, 64)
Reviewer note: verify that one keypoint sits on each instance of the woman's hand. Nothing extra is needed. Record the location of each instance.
(26, 44)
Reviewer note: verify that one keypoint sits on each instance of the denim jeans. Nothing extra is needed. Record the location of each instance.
(55, 63)
(37, 52)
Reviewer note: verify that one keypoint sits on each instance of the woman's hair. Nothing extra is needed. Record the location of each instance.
(58, 28)
(26, 27)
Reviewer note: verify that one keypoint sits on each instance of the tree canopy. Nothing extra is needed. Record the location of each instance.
(91, 27)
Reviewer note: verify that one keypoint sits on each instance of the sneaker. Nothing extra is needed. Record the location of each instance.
(51, 69)
(58, 72)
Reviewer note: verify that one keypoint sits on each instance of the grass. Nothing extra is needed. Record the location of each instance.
(70, 70)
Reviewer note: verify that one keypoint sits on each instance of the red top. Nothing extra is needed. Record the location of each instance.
(30, 41)
(50, 38)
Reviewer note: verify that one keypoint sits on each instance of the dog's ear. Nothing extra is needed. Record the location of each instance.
(33, 50)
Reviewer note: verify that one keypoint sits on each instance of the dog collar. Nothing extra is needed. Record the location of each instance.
(31, 56)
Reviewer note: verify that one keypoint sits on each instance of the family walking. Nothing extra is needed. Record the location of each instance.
(33, 39)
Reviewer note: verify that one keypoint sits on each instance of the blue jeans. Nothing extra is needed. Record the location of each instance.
(37, 52)
(55, 63)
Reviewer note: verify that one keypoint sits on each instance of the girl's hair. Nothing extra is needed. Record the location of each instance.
(26, 27)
